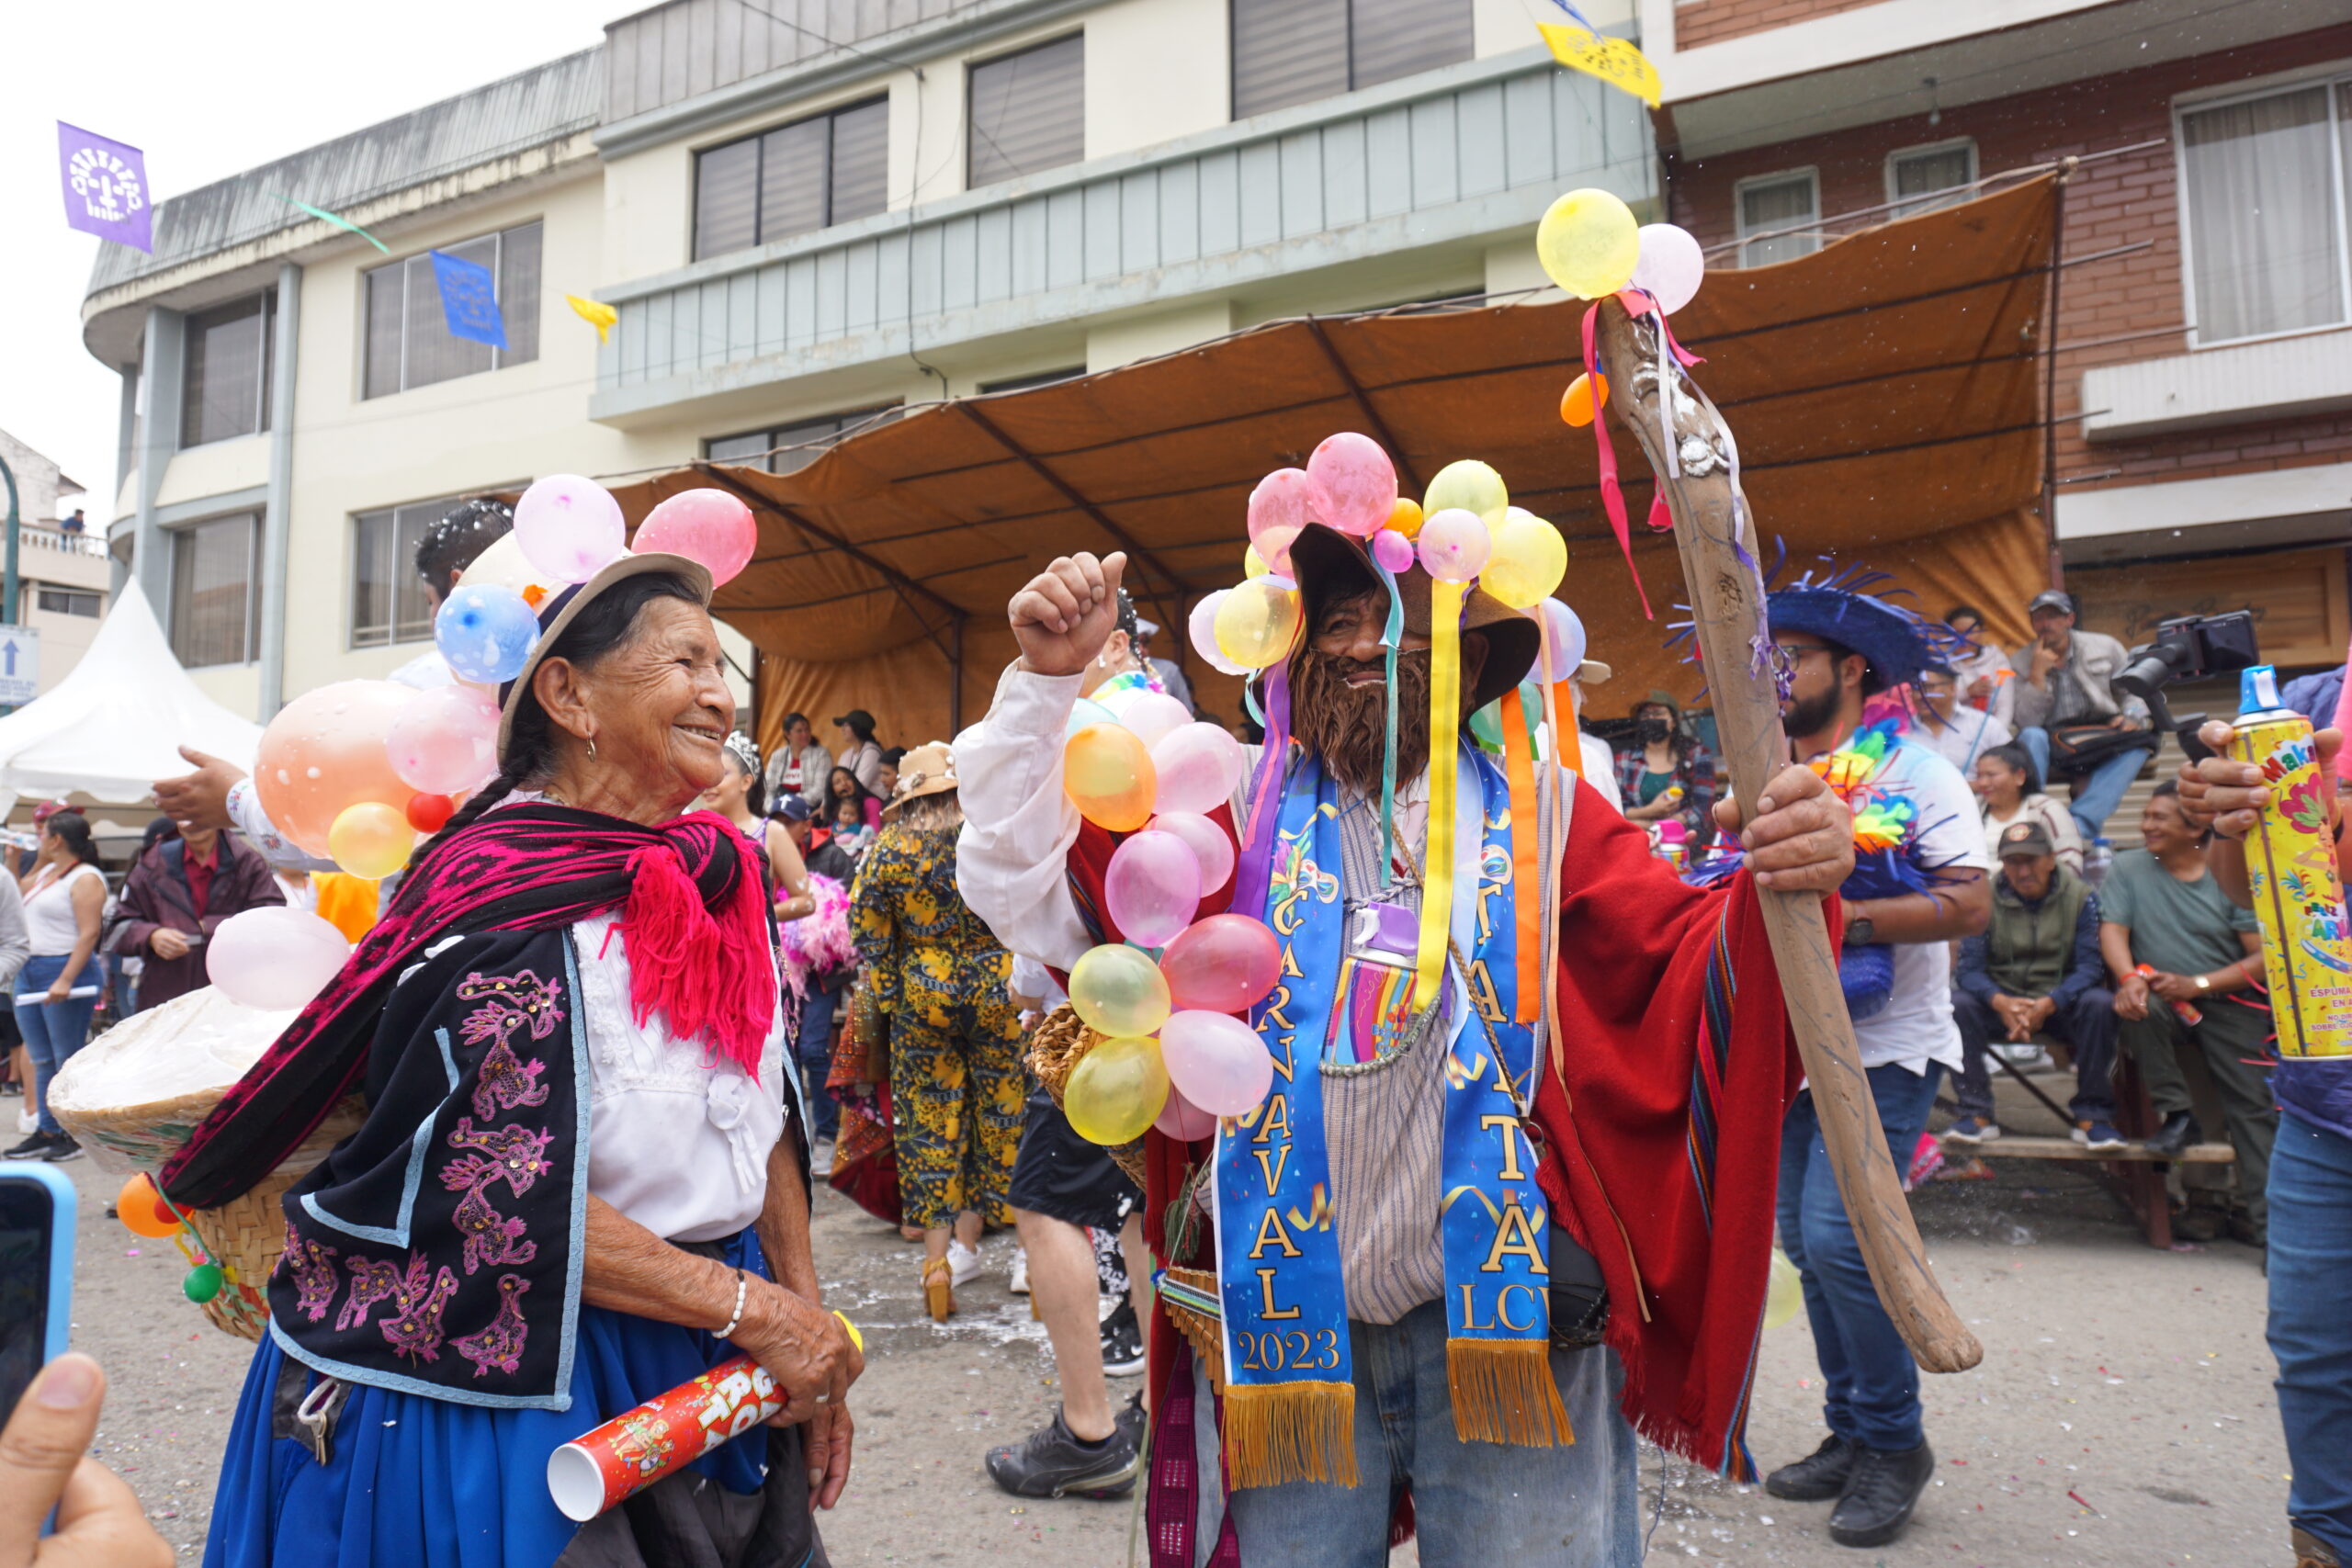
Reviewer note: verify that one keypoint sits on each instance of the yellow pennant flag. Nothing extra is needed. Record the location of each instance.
(1612, 59)
(601, 315)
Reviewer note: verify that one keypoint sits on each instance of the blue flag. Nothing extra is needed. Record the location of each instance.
(105, 187)
(468, 299)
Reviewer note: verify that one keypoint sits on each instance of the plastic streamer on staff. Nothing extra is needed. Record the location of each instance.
(1391, 635)
(1445, 721)
(1613, 496)
(1526, 875)
(1563, 790)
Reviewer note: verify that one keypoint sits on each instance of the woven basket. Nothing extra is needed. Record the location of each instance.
(1056, 1048)
(1205, 1334)
(245, 1236)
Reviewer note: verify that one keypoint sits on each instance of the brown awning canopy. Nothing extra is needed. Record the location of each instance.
(1884, 392)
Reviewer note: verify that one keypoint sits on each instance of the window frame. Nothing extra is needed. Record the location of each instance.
(1810, 173)
(1900, 205)
(847, 423)
(179, 535)
(266, 304)
(973, 66)
(97, 596)
(758, 140)
(1348, 40)
(499, 359)
(2335, 79)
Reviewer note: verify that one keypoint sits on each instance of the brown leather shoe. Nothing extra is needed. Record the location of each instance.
(2312, 1552)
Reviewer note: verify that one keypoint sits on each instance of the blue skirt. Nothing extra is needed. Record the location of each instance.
(421, 1483)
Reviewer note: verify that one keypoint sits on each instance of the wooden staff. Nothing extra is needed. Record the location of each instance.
(1726, 599)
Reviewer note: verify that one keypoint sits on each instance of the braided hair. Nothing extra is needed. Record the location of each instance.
(528, 759)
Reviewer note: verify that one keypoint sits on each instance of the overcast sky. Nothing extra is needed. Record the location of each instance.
(205, 91)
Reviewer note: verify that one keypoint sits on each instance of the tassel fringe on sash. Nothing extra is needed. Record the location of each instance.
(1276, 1433)
(1503, 1392)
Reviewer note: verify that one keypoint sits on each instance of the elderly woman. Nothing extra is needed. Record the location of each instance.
(582, 1178)
(938, 974)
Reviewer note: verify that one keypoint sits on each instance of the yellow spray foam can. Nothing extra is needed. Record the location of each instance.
(2291, 868)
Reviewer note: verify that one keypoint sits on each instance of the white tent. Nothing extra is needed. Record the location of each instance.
(115, 724)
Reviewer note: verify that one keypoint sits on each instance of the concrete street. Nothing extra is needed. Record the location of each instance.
(2123, 1414)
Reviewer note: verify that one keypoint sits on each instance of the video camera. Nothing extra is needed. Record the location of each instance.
(2188, 647)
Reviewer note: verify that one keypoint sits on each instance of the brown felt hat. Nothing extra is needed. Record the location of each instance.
(1332, 564)
(559, 611)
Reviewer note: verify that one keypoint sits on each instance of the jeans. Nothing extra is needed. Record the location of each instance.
(2100, 794)
(2231, 1040)
(815, 1049)
(1484, 1503)
(52, 1030)
(1872, 1384)
(2310, 1333)
(2087, 1023)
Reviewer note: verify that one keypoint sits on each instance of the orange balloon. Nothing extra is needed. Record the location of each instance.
(324, 753)
(1406, 517)
(1107, 772)
(142, 1211)
(1577, 404)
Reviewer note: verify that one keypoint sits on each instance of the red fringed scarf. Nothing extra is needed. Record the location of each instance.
(693, 916)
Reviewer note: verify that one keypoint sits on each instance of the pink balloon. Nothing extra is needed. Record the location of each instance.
(1153, 716)
(1209, 843)
(707, 525)
(1216, 1062)
(1454, 543)
(1152, 887)
(569, 527)
(1183, 1121)
(1198, 767)
(1392, 549)
(444, 741)
(1225, 964)
(1283, 499)
(275, 956)
(1353, 484)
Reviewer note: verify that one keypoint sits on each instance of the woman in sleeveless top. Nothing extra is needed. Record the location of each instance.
(58, 987)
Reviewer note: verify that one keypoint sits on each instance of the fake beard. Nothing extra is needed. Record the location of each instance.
(1344, 726)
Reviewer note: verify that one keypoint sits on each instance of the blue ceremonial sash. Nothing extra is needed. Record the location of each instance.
(1289, 1394)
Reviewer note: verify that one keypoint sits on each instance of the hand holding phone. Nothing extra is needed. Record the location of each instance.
(45, 1464)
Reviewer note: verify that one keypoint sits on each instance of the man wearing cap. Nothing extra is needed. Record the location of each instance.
(1835, 648)
(2036, 970)
(1398, 1239)
(2066, 684)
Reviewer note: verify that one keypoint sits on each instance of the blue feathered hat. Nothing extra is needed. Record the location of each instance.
(1894, 641)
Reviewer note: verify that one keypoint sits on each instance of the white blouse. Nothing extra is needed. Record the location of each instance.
(678, 1145)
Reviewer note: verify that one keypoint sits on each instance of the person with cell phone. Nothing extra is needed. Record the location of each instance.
(176, 896)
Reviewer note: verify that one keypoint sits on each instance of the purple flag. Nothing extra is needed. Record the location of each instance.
(105, 187)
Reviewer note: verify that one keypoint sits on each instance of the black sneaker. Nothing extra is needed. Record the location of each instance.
(1817, 1477)
(1880, 1495)
(32, 1148)
(62, 1149)
(2179, 1131)
(1050, 1463)
(1121, 1343)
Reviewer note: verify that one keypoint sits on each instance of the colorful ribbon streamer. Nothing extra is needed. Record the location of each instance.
(1612, 498)
(1445, 742)
(1526, 885)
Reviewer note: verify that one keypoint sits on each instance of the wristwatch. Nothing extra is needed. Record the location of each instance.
(1859, 932)
(2203, 984)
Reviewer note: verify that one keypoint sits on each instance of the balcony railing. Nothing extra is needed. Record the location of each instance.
(1449, 156)
(36, 537)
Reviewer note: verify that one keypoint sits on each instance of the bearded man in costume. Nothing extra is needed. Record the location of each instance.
(1405, 1326)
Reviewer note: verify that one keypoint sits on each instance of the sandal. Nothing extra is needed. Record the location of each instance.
(938, 1288)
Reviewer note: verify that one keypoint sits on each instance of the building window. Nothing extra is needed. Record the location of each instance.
(68, 600)
(215, 612)
(227, 385)
(1936, 176)
(793, 180)
(790, 448)
(1776, 202)
(387, 603)
(1292, 52)
(2264, 185)
(1028, 111)
(1031, 382)
(408, 341)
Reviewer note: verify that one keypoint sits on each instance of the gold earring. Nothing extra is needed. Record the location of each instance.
(592, 746)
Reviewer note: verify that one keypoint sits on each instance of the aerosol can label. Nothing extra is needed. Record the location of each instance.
(2290, 869)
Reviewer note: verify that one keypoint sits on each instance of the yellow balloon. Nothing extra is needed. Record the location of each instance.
(1470, 485)
(1252, 563)
(1257, 623)
(1118, 991)
(371, 839)
(1108, 773)
(1117, 1090)
(1588, 242)
(1527, 562)
(1404, 517)
(1783, 1291)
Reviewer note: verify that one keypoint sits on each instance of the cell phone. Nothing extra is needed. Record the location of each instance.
(36, 1204)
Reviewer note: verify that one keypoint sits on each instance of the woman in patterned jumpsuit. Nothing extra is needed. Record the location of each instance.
(938, 976)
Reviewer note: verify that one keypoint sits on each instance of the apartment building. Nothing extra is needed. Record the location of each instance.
(62, 574)
(2203, 385)
(807, 217)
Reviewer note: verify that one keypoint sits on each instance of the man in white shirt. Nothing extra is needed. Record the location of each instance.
(1838, 648)
(1949, 728)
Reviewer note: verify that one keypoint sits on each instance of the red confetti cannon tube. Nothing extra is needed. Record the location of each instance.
(602, 1469)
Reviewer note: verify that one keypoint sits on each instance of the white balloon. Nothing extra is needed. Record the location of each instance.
(1202, 627)
(1671, 265)
(1564, 638)
(274, 957)
(1153, 716)
(1199, 767)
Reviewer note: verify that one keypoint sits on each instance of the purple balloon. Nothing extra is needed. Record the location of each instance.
(1152, 887)
(1216, 1061)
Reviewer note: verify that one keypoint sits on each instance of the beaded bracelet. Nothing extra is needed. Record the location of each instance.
(741, 1285)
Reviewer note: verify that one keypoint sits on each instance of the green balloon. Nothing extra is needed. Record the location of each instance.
(203, 1283)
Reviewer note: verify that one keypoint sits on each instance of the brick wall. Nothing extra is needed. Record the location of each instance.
(1699, 22)
(2111, 310)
